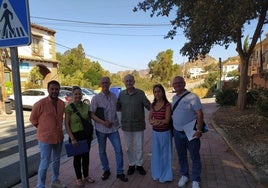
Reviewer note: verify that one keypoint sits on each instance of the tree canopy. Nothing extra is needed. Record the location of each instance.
(76, 69)
(161, 68)
(206, 23)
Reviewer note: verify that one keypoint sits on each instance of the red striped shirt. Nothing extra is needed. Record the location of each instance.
(160, 115)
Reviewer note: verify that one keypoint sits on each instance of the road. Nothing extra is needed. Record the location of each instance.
(9, 151)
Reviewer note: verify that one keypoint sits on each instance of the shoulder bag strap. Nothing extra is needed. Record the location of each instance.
(75, 110)
(177, 102)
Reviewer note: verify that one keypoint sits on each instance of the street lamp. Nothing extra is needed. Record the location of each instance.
(220, 66)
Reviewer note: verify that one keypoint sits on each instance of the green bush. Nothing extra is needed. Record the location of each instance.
(252, 97)
(259, 99)
(31, 85)
(226, 97)
(9, 88)
(263, 108)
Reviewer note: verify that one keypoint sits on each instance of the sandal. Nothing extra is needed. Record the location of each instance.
(89, 180)
(79, 183)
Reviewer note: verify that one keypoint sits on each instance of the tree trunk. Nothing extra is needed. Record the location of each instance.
(243, 82)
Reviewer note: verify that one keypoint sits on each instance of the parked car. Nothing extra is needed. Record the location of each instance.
(87, 94)
(65, 95)
(92, 91)
(29, 97)
(116, 90)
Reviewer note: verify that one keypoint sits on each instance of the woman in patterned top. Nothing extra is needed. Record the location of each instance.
(159, 117)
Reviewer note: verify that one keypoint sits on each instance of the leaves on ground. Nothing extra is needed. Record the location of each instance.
(248, 132)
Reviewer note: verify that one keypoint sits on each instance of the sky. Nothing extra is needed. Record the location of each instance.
(111, 33)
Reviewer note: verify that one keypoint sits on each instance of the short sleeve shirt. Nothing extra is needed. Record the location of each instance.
(108, 103)
(185, 112)
(76, 123)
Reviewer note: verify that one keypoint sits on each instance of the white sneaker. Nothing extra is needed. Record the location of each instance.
(183, 181)
(195, 184)
(57, 184)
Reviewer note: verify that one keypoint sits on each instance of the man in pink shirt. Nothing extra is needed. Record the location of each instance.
(47, 117)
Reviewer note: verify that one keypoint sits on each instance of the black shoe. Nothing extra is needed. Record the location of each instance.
(106, 175)
(141, 170)
(122, 177)
(131, 170)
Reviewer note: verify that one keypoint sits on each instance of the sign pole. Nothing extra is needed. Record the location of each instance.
(19, 117)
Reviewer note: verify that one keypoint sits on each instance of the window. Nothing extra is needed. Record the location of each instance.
(37, 46)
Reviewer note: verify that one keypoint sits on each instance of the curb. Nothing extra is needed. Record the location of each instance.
(258, 174)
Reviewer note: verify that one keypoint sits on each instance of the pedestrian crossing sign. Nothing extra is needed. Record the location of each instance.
(14, 23)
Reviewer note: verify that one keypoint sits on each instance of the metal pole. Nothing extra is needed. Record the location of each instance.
(220, 86)
(19, 117)
(261, 65)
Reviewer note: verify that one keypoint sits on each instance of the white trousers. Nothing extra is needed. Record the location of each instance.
(134, 144)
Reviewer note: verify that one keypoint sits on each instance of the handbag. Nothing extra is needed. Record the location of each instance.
(88, 127)
(174, 107)
(76, 150)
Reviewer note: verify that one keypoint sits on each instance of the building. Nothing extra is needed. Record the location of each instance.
(40, 53)
(196, 72)
(258, 65)
(228, 67)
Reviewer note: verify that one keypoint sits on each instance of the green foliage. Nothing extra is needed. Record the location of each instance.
(259, 99)
(9, 88)
(116, 80)
(233, 73)
(205, 23)
(144, 84)
(211, 67)
(209, 23)
(210, 80)
(162, 68)
(72, 60)
(246, 45)
(76, 69)
(35, 75)
(231, 84)
(93, 77)
(32, 85)
(35, 79)
(263, 108)
(226, 97)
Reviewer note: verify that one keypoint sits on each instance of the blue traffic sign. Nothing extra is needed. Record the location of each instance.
(15, 27)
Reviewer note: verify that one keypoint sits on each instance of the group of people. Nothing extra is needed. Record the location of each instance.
(47, 115)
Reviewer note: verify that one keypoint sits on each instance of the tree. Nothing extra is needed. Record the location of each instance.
(161, 69)
(35, 78)
(76, 69)
(212, 22)
(72, 60)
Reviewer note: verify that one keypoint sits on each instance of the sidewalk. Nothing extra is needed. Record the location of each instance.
(221, 167)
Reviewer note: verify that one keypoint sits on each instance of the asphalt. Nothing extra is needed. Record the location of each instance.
(222, 165)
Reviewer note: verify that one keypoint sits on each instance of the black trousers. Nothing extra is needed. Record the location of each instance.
(81, 162)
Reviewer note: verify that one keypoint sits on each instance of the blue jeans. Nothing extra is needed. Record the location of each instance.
(45, 154)
(182, 145)
(116, 143)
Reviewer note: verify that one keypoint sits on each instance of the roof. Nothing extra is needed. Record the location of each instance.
(52, 32)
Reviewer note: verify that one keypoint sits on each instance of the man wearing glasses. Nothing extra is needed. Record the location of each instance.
(104, 106)
(188, 109)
